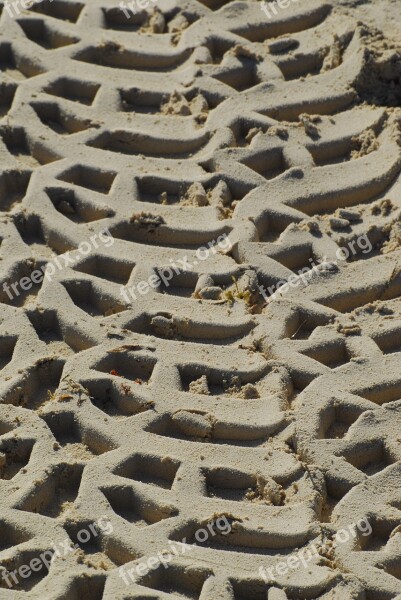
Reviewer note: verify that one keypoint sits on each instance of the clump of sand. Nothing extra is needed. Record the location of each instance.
(379, 81)
(155, 23)
(178, 105)
(146, 221)
(364, 144)
(200, 386)
(267, 491)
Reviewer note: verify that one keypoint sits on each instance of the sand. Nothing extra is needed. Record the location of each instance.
(150, 415)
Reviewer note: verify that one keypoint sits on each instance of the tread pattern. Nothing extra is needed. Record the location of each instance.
(170, 129)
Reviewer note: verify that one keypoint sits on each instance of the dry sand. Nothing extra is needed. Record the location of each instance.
(200, 399)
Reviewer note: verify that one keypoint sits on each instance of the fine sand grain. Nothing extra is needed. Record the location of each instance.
(172, 169)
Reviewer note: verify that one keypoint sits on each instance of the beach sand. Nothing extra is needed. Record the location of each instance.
(200, 300)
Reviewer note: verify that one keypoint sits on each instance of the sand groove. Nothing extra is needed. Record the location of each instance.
(176, 127)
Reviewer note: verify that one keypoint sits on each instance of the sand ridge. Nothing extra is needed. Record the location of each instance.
(201, 399)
